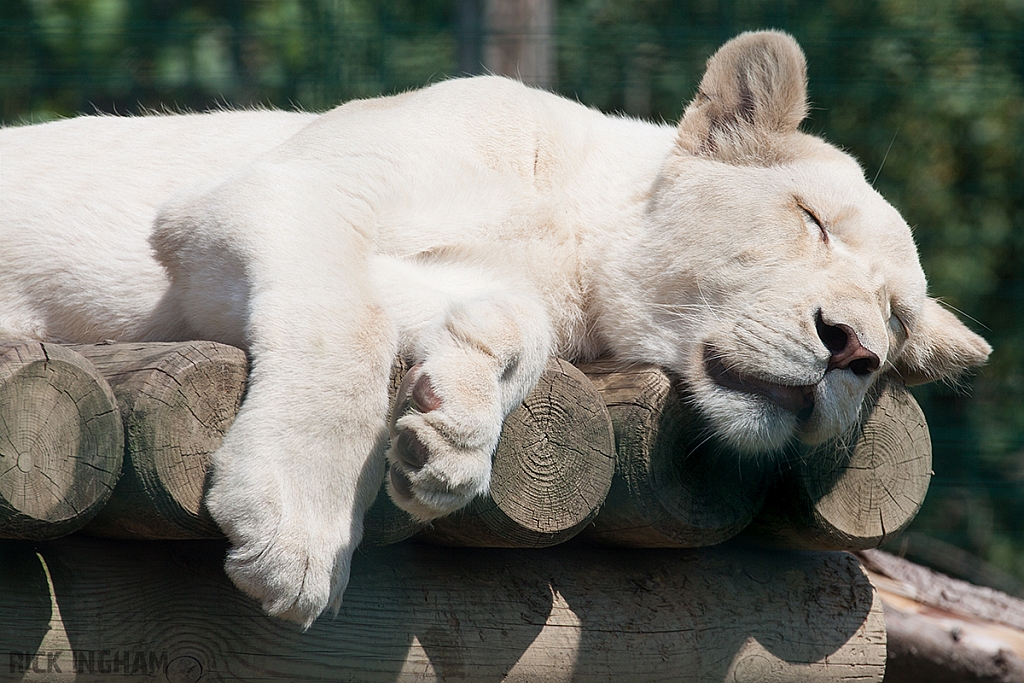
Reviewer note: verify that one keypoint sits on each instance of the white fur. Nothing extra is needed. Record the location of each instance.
(476, 227)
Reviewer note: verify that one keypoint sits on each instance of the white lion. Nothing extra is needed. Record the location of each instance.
(476, 227)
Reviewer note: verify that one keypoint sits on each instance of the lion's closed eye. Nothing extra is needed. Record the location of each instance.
(812, 221)
(898, 327)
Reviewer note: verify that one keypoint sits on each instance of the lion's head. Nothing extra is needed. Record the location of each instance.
(776, 281)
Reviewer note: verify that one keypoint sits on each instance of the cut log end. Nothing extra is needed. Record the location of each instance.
(552, 469)
(61, 442)
(559, 469)
(882, 486)
(177, 401)
(860, 491)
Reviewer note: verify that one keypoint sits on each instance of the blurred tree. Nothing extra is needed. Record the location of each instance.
(61, 57)
(518, 40)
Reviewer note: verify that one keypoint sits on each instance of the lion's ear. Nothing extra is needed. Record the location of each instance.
(753, 92)
(940, 347)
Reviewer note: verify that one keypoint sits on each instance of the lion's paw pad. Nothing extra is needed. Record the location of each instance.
(439, 462)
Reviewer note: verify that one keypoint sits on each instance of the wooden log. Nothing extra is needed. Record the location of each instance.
(60, 441)
(672, 488)
(943, 630)
(551, 472)
(177, 400)
(144, 611)
(857, 492)
(953, 561)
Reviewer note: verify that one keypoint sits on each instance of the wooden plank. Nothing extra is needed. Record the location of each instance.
(61, 443)
(143, 611)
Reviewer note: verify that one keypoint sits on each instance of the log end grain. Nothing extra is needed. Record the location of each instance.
(177, 401)
(61, 442)
(856, 492)
(552, 469)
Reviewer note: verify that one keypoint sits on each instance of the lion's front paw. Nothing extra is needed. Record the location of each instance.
(440, 455)
(293, 579)
(295, 564)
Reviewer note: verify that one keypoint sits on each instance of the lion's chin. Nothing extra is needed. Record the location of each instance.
(753, 415)
(837, 410)
(749, 424)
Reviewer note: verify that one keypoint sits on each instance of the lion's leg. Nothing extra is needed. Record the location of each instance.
(475, 364)
(302, 463)
(304, 458)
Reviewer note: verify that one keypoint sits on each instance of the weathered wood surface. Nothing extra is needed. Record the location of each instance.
(943, 630)
(176, 401)
(144, 611)
(857, 492)
(953, 561)
(553, 468)
(60, 441)
(672, 487)
(551, 473)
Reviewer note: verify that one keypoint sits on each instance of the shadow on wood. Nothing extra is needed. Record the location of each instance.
(165, 611)
(560, 451)
(26, 604)
(177, 402)
(673, 486)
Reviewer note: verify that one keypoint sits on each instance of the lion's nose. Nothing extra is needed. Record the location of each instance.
(846, 349)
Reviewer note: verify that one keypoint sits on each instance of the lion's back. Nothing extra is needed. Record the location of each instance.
(77, 200)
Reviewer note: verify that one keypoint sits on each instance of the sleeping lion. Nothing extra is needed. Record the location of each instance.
(475, 227)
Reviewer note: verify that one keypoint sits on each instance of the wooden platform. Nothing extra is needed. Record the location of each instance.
(615, 453)
(636, 596)
(91, 609)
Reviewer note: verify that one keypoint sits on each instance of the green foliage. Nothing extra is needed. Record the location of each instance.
(928, 95)
(61, 57)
